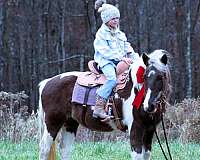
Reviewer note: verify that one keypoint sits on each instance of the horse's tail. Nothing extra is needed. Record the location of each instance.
(41, 119)
(41, 116)
(40, 112)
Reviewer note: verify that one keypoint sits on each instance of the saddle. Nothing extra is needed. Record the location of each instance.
(95, 77)
(87, 83)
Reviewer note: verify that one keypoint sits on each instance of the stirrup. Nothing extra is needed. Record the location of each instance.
(107, 119)
(99, 115)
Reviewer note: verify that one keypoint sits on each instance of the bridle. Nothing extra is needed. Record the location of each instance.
(161, 99)
(160, 104)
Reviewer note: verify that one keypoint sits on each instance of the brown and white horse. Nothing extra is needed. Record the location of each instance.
(57, 114)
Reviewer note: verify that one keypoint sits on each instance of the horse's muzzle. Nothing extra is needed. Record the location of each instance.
(152, 107)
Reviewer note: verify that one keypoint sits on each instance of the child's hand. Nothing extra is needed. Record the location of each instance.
(127, 60)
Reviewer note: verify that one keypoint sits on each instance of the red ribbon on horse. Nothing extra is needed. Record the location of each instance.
(140, 95)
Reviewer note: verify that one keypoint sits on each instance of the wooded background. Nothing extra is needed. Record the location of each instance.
(42, 38)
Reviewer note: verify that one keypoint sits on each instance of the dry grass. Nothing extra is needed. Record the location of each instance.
(16, 124)
(15, 121)
(183, 120)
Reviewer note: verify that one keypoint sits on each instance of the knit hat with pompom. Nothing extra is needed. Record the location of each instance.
(107, 11)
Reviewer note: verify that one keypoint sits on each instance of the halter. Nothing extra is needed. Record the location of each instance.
(161, 99)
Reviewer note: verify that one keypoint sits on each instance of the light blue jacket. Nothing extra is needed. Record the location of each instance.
(110, 46)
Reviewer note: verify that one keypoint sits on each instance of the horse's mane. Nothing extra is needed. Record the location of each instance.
(155, 61)
(155, 57)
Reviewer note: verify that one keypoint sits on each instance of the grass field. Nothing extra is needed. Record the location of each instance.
(98, 151)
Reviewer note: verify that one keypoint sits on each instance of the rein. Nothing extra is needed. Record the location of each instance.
(166, 141)
(161, 102)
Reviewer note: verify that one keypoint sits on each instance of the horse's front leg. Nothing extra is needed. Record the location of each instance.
(136, 140)
(148, 136)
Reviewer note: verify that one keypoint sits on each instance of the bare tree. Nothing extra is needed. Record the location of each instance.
(41, 38)
(188, 56)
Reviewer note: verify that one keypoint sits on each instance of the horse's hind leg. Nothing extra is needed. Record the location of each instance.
(49, 135)
(45, 144)
(68, 133)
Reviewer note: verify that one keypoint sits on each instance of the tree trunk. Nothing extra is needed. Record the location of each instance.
(188, 55)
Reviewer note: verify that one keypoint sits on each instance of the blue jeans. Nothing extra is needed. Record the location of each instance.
(106, 89)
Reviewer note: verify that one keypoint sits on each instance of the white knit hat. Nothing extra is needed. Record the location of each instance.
(107, 11)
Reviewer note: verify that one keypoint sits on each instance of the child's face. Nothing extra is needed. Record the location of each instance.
(113, 23)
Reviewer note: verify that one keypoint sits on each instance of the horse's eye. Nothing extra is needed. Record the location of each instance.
(159, 78)
(159, 84)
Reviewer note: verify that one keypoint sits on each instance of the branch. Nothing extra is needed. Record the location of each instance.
(196, 17)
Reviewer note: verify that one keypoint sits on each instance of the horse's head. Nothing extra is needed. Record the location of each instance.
(156, 79)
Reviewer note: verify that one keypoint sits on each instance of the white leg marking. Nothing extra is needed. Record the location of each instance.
(66, 141)
(146, 154)
(136, 156)
(146, 100)
(45, 145)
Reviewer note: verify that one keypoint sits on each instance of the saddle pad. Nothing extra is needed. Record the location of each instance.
(80, 92)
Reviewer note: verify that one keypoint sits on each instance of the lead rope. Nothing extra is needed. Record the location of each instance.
(165, 140)
(160, 145)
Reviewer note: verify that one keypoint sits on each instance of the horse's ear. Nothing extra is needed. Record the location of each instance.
(145, 58)
(164, 59)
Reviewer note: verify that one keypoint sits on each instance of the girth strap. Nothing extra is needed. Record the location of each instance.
(88, 89)
(118, 118)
